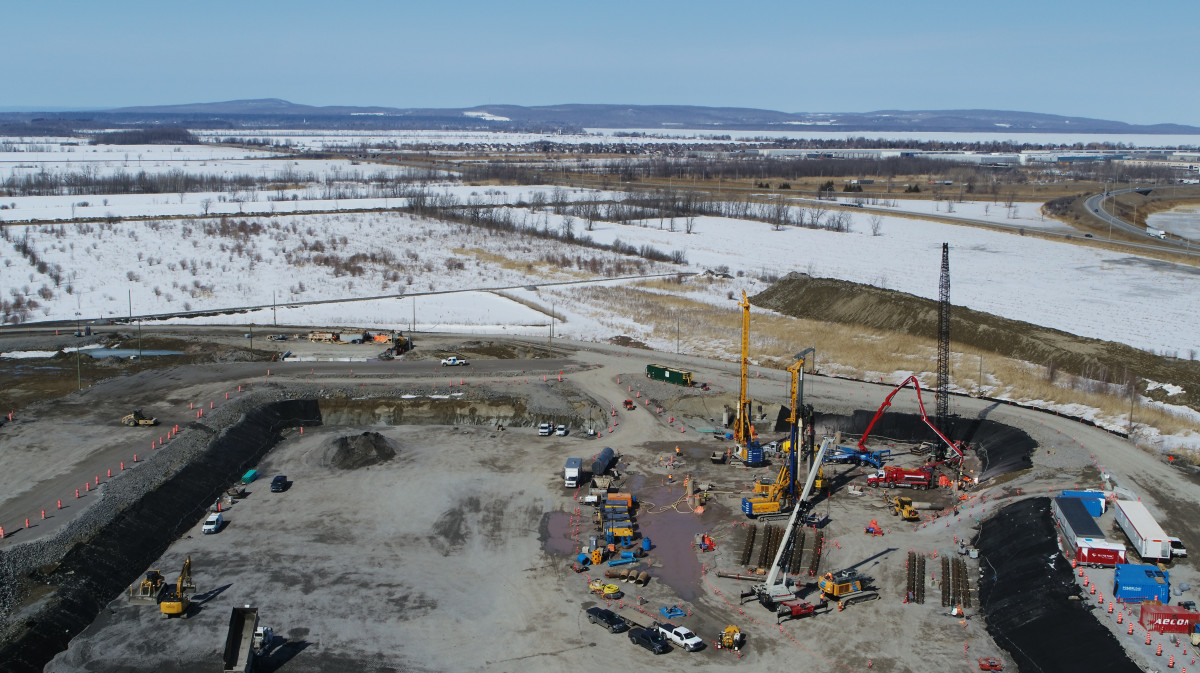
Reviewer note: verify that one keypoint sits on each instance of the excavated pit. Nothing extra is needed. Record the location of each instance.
(97, 569)
(1030, 601)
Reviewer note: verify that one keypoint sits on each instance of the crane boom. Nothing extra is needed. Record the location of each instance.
(772, 587)
(887, 402)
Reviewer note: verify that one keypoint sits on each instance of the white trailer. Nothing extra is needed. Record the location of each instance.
(1147, 537)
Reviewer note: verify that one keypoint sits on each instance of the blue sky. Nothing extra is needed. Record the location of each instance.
(1109, 60)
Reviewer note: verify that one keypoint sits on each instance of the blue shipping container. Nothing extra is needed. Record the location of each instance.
(1137, 583)
(1093, 500)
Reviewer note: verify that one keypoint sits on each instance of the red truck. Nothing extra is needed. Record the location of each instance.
(892, 476)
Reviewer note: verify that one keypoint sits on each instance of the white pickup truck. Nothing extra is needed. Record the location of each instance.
(453, 361)
(680, 635)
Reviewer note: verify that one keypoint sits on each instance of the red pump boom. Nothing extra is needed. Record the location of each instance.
(887, 402)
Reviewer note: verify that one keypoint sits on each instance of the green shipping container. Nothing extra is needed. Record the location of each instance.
(680, 377)
(249, 476)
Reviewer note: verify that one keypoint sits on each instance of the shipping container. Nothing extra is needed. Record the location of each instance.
(1143, 531)
(680, 377)
(1168, 618)
(1099, 552)
(1093, 500)
(1140, 583)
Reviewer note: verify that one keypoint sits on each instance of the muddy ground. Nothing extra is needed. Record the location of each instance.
(467, 532)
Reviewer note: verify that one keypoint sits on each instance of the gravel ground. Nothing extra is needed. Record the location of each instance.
(466, 532)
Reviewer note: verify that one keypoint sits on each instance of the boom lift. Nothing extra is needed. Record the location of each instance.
(955, 447)
(775, 589)
(744, 435)
(176, 601)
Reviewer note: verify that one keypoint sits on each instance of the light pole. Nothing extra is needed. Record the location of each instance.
(78, 362)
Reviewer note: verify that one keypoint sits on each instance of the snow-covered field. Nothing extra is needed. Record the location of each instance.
(1020, 213)
(90, 270)
(1182, 221)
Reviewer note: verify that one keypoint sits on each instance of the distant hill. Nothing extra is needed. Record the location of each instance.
(274, 112)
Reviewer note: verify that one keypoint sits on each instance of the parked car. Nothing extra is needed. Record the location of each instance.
(213, 523)
(279, 484)
(608, 619)
(561, 431)
(651, 640)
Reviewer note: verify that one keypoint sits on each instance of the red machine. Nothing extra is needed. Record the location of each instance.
(795, 610)
(955, 447)
(891, 477)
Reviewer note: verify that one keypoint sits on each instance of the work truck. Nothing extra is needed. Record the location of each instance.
(680, 635)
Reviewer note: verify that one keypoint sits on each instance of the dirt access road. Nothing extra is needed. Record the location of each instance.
(467, 532)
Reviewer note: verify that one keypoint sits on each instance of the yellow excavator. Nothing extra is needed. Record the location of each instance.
(176, 601)
(149, 588)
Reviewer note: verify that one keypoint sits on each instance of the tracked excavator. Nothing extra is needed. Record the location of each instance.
(176, 601)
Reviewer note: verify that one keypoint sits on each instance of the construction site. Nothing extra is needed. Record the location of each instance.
(672, 512)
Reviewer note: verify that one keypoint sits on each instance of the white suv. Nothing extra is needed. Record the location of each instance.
(213, 523)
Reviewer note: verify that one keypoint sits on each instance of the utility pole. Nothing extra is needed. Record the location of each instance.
(129, 293)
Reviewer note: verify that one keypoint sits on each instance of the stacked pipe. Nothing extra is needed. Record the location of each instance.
(748, 545)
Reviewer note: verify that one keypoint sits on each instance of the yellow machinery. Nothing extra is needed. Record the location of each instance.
(743, 430)
(149, 588)
(138, 418)
(176, 601)
(776, 497)
(847, 587)
(732, 638)
(902, 506)
(780, 495)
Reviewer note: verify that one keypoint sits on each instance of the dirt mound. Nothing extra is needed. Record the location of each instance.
(829, 300)
(357, 451)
